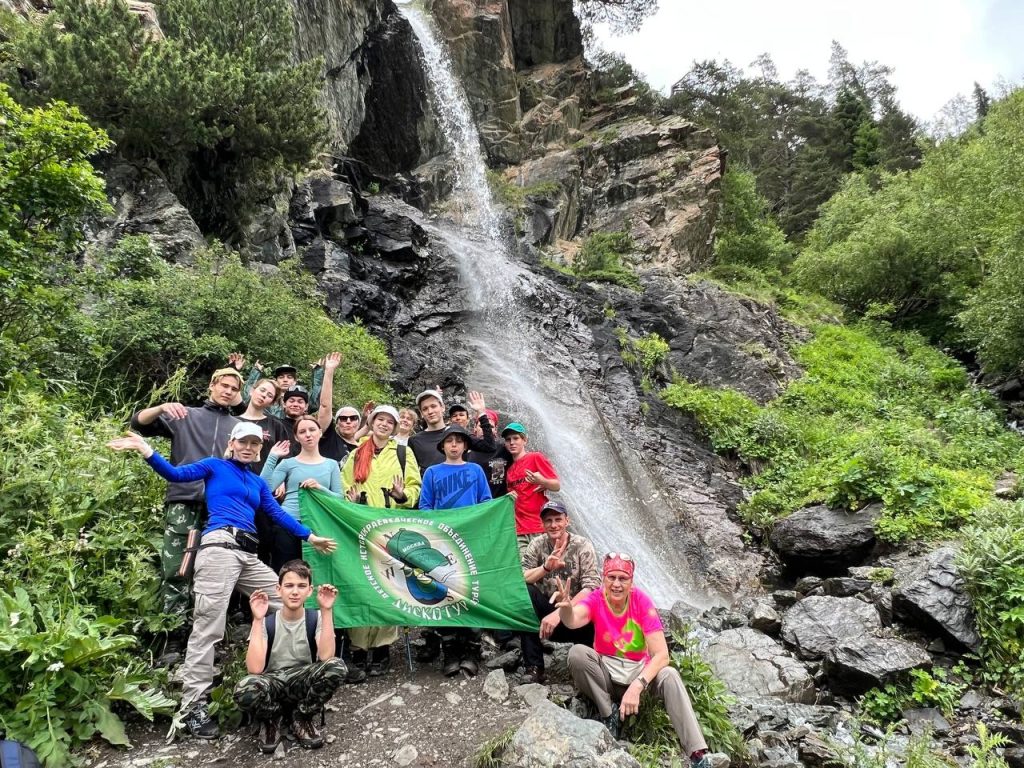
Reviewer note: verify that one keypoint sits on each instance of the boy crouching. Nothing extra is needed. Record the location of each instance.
(286, 683)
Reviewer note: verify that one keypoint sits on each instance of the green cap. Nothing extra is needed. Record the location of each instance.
(414, 550)
(516, 427)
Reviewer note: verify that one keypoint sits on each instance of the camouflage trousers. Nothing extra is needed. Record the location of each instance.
(302, 691)
(179, 517)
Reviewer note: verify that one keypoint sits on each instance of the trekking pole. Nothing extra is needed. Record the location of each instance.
(408, 648)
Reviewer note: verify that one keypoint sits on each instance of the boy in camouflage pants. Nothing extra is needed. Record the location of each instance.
(286, 681)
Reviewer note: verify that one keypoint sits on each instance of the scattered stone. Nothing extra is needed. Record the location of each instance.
(719, 760)
(971, 700)
(846, 586)
(507, 661)
(406, 755)
(532, 693)
(808, 584)
(682, 616)
(397, 701)
(815, 752)
(552, 736)
(496, 685)
(925, 720)
(754, 665)
(764, 618)
(822, 540)
(858, 664)
(330, 738)
(412, 688)
(932, 596)
(816, 624)
(453, 698)
(281, 752)
(784, 598)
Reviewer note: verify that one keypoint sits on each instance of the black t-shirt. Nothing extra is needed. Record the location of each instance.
(424, 448)
(334, 446)
(495, 465)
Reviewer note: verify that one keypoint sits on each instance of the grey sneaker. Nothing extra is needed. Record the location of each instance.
(199, 723)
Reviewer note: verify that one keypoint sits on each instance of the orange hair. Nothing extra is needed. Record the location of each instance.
(363, 460)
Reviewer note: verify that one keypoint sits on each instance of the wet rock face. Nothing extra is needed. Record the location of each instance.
(753, 665)
(544, 32)
(815, 625)
(858, 664)
(825, 541)
(931, 595)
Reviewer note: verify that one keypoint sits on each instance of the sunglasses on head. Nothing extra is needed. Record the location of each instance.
(618, 556)
(346, 417)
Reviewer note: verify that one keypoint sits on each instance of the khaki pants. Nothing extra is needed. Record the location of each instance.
(219, 571)
(593, 681)
(365, 638)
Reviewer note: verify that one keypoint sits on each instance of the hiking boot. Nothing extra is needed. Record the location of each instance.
(356, 668)
(307, 734)
(534, 675)
(469, 666)
(700, 759)
(451, 668)
(378, 661)
(613, 723)
(489, 645)
(430, 649)
(269, 736)
(199, 723)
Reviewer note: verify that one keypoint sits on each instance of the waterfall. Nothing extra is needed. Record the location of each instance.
(521, 371)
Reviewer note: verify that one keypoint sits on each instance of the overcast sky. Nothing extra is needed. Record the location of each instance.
(936, 47)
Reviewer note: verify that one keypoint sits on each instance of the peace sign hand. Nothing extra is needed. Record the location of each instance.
(562, 598)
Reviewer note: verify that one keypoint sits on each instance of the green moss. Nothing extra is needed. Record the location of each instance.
(601, 259)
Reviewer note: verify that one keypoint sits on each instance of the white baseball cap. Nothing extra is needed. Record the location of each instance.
(245, 429)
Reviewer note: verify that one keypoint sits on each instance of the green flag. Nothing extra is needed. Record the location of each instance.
(436, 568)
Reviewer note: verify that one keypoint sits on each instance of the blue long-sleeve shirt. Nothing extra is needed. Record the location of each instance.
(233, 493)
(448, 486)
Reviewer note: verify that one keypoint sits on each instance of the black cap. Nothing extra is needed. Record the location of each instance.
(296, 392)
(285, 369)
(553, 507)
(454, 429)
(456, 407)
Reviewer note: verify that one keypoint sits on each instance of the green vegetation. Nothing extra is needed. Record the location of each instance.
(646, 353)
(917, 753)
(992, 563)
(601, 258)
(490, 752)
(878, 416)
(217, 102)
(655, 740)
(748, 235)
(513, 196)
(83, 338)
(920, 689)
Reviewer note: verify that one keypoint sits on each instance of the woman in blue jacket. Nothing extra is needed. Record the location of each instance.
(227, 553)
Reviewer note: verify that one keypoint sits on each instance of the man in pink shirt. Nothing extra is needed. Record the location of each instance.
(630, 655)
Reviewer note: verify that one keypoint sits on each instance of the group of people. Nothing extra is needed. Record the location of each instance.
(233, 522)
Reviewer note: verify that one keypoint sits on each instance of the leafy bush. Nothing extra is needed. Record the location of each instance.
(920, 689)
(48, 187)
(646, 353)
(747, 234)
(651, 730)
(600, 258)
(217, 103)
(992, 563)
(78, 584)
(878, 416)
(148, 318)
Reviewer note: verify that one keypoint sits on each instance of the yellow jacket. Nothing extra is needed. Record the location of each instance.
(383, 471)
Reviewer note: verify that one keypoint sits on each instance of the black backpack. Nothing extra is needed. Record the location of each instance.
(270, 622)
(14, 754)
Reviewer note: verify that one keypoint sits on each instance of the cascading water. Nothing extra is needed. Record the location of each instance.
(526, 374)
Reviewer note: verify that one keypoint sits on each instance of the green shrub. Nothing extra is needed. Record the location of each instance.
(218, 102)
(877, 416)
(78, 584)
(646, 353)
(920, 688)
(992, 563)
(147, 319)
(600, 258)
(747, 234)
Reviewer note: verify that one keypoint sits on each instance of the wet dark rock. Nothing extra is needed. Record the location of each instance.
(753, 665)
(858, 664)
(807, 584)
(931, 595)
(764, 618)
(823, 540)
(926, 720)
(816, 624)
(845, 586)
(544, 32)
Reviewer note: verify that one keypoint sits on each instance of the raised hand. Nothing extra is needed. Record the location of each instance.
(398, 487)
(562, 598)
(322, 545)
(352, 494)
(332, 361)
(174, 410)
(368, 407)
(476, 402)
(281, 449)
(131, 442)
(236, 360)
(325, 596)
(259, 603)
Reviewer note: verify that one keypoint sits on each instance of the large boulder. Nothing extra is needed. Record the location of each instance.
(553, 737)
(817, 624)
(823, 540)
(858, 664)
(753, 665)
(930, 594)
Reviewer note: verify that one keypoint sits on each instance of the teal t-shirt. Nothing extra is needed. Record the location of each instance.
(292, 472)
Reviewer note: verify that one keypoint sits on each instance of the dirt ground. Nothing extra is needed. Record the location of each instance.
(406, 719)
